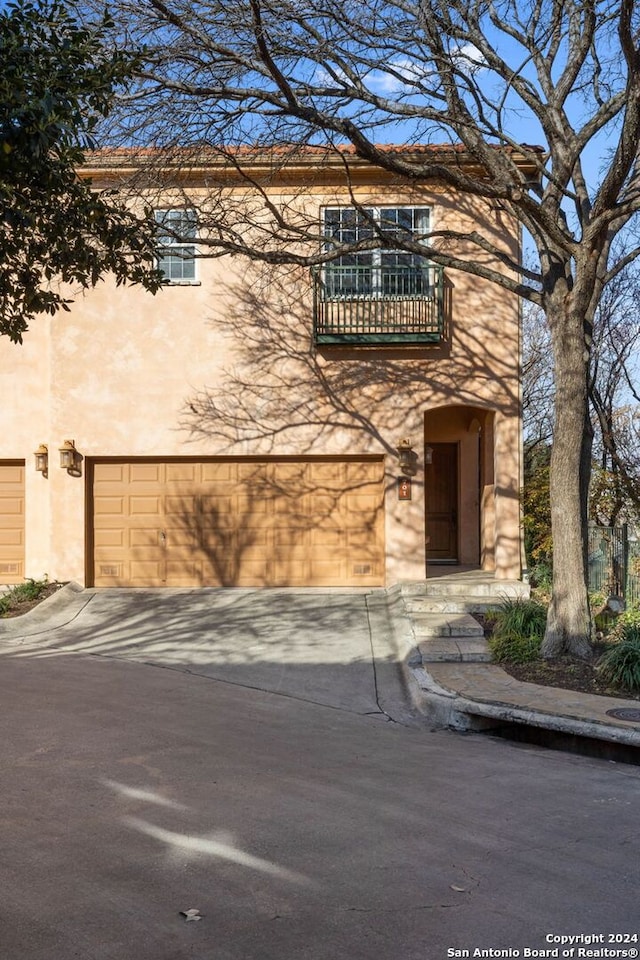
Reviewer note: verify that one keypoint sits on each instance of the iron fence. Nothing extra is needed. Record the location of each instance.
(614, 563)
(632, 593)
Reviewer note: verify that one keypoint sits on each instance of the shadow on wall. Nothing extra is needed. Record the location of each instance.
(284, 395)
(243, 522)
(279, 524)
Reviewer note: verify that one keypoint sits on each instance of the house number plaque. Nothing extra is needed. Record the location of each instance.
(404, 488)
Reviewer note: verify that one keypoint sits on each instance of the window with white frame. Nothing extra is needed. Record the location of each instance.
(177, 248)
(378, 273)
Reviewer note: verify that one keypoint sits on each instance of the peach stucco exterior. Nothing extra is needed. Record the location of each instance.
(226, 367)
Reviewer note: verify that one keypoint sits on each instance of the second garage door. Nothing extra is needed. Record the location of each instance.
(313, 522)
(11, 522)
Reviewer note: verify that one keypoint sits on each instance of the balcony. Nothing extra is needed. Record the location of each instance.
(378, 305)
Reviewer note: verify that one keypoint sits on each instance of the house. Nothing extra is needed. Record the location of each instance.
(263, 424)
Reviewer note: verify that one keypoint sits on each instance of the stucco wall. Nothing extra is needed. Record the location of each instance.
(227, 366)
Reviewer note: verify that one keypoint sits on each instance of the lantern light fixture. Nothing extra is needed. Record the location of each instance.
(42, 459)
(69, 457)
(406, 457)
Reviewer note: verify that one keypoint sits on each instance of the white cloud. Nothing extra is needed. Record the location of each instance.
(403, 73)
(469, 58)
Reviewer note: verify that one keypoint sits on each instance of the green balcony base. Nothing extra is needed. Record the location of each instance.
(377, 339)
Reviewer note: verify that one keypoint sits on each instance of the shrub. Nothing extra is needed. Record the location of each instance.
(536, 506)
(518, 630)
(620, 664)
(597, 599)
(628, 618)
(29, 590)
(541, 576)
(22, 593)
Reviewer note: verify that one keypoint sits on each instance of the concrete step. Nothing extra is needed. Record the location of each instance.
(488, 588)
(445, 625)
(481, 586)
(416, 605)
(454, 650)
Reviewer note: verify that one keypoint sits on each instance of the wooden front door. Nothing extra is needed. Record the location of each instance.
(441, 493)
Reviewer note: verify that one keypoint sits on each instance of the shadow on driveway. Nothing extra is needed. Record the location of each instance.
(313, 646)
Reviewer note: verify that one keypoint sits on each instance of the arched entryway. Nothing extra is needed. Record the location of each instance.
(460, 491)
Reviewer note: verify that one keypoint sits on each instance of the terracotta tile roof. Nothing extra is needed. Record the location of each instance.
(203, 155)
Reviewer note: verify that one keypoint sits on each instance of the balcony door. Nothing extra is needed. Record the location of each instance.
(441, 494)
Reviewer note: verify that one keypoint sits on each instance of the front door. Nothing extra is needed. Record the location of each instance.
(441, 493)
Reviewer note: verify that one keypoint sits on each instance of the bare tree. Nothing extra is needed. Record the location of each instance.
(538, 387)
(615, 401)
(624, 473)
(479, 76)
(613, 392)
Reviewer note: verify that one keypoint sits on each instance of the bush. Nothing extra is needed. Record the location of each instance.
(536, 507)
(620, 664)
(22, 593)
(628, 618)
(29, 590)
(541, 576)
(518, 630)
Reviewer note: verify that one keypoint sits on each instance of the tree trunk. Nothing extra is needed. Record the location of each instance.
(568, 629)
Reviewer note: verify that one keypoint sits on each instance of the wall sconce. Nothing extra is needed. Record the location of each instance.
(42, 459)
(428, 454)
(70, 459)
(406, 457)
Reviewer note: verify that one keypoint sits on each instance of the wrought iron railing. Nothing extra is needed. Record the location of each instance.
(614, 563)
(369, 304)
(607, 556)
(632, 591)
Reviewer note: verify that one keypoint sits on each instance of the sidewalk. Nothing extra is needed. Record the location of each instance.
(456, 685)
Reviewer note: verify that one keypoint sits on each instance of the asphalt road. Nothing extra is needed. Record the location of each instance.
(162, 753)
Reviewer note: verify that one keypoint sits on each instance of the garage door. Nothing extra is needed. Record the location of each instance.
(11, 522)
(315, 522)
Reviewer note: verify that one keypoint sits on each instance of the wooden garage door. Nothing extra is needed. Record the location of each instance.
(238, 523)
(11, 522)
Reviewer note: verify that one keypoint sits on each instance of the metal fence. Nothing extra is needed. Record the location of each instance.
(614, 563)
(632, 592)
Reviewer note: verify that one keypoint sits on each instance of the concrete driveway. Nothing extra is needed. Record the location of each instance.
(297, 818)
(333, 648)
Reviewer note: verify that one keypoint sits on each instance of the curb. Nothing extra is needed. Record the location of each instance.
(57, 610)
(464, 713)
(447, 708)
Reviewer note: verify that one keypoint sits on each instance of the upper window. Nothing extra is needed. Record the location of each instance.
(177, 249)
(376, 272)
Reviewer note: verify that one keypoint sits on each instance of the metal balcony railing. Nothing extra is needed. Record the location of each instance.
(370, 305)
